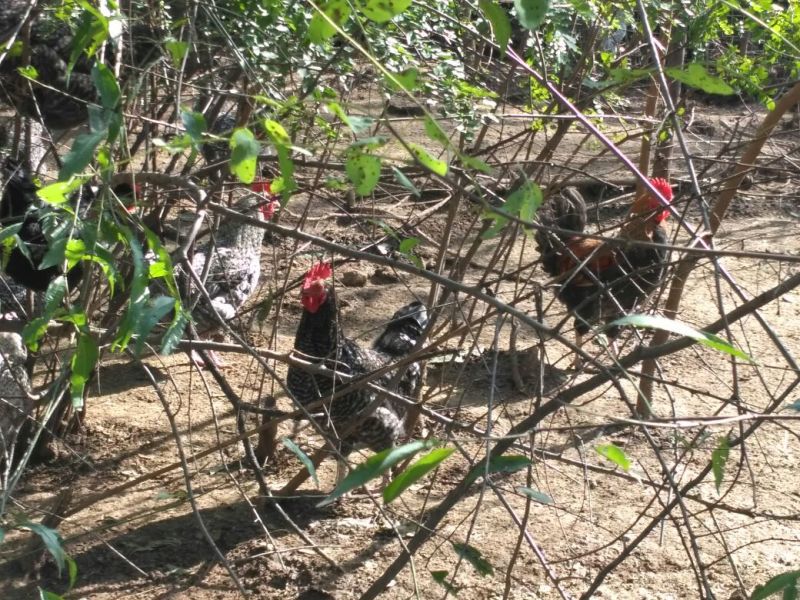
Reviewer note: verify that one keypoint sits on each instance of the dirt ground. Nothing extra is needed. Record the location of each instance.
(145, 541)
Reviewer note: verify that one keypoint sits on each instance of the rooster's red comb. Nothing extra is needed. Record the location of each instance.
(321, 270)
(663, 187)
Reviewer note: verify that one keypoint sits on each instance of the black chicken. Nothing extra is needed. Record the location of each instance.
(17, 206)
(320, 340)
(61, 96)
(614, 279)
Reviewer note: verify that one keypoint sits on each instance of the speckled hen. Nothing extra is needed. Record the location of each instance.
(15, 387)
(232, 263)
(320, 340)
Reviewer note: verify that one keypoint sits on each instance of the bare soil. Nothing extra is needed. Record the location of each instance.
(146, 542)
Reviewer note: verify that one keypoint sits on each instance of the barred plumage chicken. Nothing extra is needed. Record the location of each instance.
(320, 340)
(15, 387)
(232, 263)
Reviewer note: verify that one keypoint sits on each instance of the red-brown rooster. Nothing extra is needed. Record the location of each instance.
(612, 279)
(320, 340)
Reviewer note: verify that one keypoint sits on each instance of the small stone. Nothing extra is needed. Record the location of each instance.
(354, 279)
(384, 277)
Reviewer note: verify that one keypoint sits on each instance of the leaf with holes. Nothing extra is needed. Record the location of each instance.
(320, 30)
(531, 13)
(681, 328)
(381, 11)
(719, 458)
(415, 472)
(276, 133)
(364, 170)
(426, 160)
(497, 17)
(615, 454)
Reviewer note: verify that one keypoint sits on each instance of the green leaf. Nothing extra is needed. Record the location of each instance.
(285, 184)
(276, 133)
(137, 297)
(681, 328)
(74, 252)
(105, 82)
(29, 72)
(507, 463)
(436, 133)
(719, 457)
(440, 577)
(357, 124)
(244, 154)
(401, 178)
(426, 160)
(615, 454)
(177, 51)
(522, 203)
(195, 124)
(408, 80)
(46, 595)
(370, 143)
(52, 541)
(320, 30)
(695, 75)
(55, 253)
(364, 170)
(415, 472)
(785, 582)
(83, 363)
(501, 27)
(58, 192)
(374, 466)
(472, 555)
(535, 495)
(307, 462)
(531, 13)
(174, 333)
(470, 162)
(153, 311)
(81, 153)
(381, 11)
